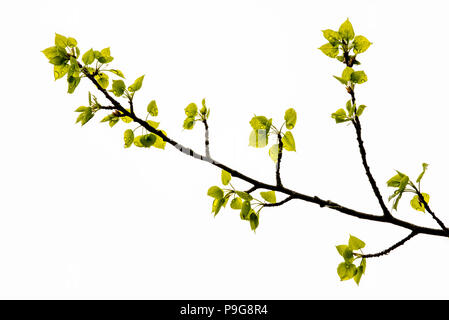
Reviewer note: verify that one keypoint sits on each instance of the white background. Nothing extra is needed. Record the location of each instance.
(81, 217)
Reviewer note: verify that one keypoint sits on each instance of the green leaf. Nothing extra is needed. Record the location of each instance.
(395, 180)
(225, 177)
(288, 141)
(102, 79)
(360, 110)
(105, 56)
(424, 168)
(346, 74)
(361, 44)
(58, 60)
(290, 118)
(355, 243)
(341, 249)
(340, 116)
(254, 220)
(61, 41)
(148, 140)
(216, 205)
(116, 72)
(348, 255)
(203, 110)
(359, 77)
(245, 196)
(332, 36)
(73, 83)
(349, 108)
(269, 196)
(152, 108)
(274, 152)
(54, 51)
(189, 123)
(88, 57)
(358, 275)
(329, 50)
(402, 184)
(137, 142)
(118, 87)
(160, 143)
(260, 122)
(215, 192)
(71, 42)
(258, 138)
(85, 115)
(154, 124)
(236, 204)
(127, 119)
(346, 270)
(137, 84)
(82, 109)
(244, 212)
(417, 204)
(60, 71)
(346, 31)
(191, 110)
(129, 138)
(342, 81)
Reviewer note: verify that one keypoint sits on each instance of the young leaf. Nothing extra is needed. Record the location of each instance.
(246, 208)
(154, 124)
(359, 77)
(346, 270)
(361, 44)
(274, 152)
(424, 168)
(289, 141)
(340, 116)
(355, 243)
(215, 192)
(290, 118)
(116, 72)
(137, 84)
(346, 74)
(236, 204)
(245, 196)
(269, 196)
(128, 137)
(258, 138)
(260, 122)
(358, 275)
(60, 71)
(102, 79)
(118, 87)
(216, 205)
(73, 83)
(329, 50)
(160, 143)
(148, 140)
(346, 31)
(188, 124)
(61, 41)
(88, 57)
(342, 81)
(332, 36)
(152, 108)
(191, 110)
(71, 42)
(225, 177)
(341, 249)
(417, 204)
(254, 220)
(360, 110)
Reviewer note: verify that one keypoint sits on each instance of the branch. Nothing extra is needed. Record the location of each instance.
(206, 138)
(278, 162)
(426, 206)
(261, 185)
(387, 251)
(280, 203)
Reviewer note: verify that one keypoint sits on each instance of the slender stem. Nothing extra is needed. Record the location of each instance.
(278, 162)
(387, 251)
(261, 185)
(280, 203)
(426, 206)
(206, 138)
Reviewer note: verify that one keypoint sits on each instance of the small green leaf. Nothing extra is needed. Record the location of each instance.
(88, 57)
(329, 50)
(137, 142)
(216, 205)
(342, 81)
(359, 77)
(189, 123)
(60, 71)
(290, 118)
(348, 255)
(358, 275)
(260, 122)
(258, 138)
(118, 87)
(288, 141)
(105, 56)
(361, 44)
(355, 243)
(340, 116)
(137, 84)
(225, 177)
(254, 220)
(73, 83)
(71, 42)
(102, 79)
(148, 140)
(152, 108)
(269, 196)
(236, 204)
(116, 72)
(417, 204)
(129, 138)
(332, 36)
(395, 180)
(154, 124)
(424, 168)
(341, 249)
(244, 212)
(245, 196)
(61, 41)
(346, 31)
(191, 110)
(215, 192)
(360, 110)
(346, 74)
(274, 152)
(346, 270)
(85, 115)
(160, 143)
(81, 109)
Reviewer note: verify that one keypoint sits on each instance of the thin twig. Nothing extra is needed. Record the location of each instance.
(387, 251)
(206, 138)
(278, 162)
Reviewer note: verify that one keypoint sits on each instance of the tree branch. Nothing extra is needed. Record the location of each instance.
(278, 162)
(206, 138)
(280, 203)
(387, 251)
(426, 206)
(261, 185)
